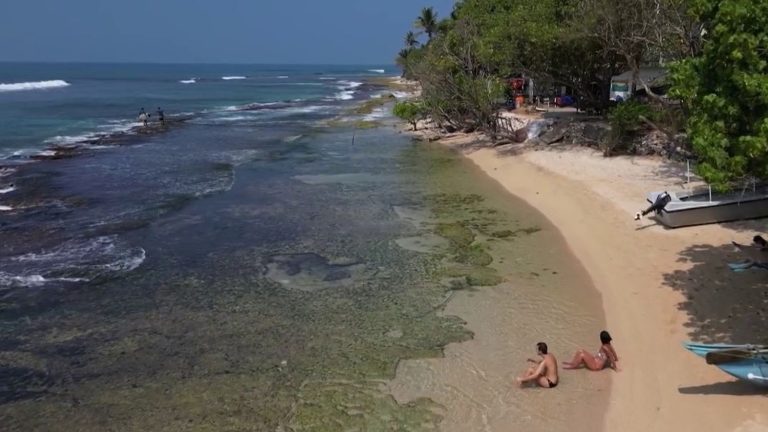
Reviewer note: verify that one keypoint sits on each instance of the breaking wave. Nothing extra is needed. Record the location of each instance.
(347, 89)
(257, 106)
(35, 85)
(229, 78)
(77, 260)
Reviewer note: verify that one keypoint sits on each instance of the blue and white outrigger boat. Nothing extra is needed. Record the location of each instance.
(745, 362)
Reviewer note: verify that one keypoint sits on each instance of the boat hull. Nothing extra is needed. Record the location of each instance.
(752, 367)
(753, 371)
(680, 213)
(702, 350)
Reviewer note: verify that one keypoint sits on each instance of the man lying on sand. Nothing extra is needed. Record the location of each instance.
(544, 374)
(756, 254)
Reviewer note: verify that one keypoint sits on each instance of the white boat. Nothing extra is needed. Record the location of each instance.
(686, 208)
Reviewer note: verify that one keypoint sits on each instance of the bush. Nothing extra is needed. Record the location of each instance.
(725, 91)
(411, 112)
(626, 119)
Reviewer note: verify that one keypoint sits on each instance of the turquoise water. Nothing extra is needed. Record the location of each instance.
(64, 102)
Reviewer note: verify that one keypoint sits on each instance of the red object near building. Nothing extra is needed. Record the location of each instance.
(517, 83)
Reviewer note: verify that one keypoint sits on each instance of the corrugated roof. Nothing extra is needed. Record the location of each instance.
(648, 75)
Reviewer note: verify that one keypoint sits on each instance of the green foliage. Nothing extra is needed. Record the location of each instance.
(410, 40)
(626, 119)
(725, 91)
(456, 91)
(427, 21)
(411, 112)
(464, 66)
(513, 35)
(408, 60)
(721, 81)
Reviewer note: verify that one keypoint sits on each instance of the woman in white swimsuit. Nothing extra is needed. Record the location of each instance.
(605, 357)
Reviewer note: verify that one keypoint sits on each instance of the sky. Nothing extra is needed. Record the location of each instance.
(212, 31)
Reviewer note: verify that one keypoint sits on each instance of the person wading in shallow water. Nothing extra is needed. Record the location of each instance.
(160, 116)
(544, 374)
(143, 117)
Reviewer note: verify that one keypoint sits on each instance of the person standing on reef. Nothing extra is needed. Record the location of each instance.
(160, 116)
(544, 373)
(143, 117)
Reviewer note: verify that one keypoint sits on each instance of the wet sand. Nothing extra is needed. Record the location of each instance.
(659, 287)
(546, 296)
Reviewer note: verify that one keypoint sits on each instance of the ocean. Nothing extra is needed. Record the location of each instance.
(261, 262)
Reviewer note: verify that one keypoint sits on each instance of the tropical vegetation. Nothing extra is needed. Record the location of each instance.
(410, 112)
(716, 53)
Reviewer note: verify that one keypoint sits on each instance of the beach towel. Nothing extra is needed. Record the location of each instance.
(742, 266)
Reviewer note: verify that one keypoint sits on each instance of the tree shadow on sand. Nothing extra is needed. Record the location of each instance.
(722, 306)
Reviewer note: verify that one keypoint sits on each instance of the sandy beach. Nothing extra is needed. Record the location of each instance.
(659, 287)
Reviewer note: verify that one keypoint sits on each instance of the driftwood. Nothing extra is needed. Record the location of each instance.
(507, 130)
(505, 127)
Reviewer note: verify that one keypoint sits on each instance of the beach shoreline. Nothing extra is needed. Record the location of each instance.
(544, 295)
(657, 285)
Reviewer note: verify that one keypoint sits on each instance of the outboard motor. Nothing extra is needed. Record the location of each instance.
(658, 205)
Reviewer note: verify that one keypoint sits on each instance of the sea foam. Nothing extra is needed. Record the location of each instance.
(77, 260)
(189, 81)
(228, 78)
(6, 171)
(254, 106)
(345, 95)
(70, 139)
(380, 71)
(347, 89)
(35, 85)
(350, 84)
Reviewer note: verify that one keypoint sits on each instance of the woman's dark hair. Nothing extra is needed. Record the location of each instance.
(759, 240)
(541, 347)
(605, 337)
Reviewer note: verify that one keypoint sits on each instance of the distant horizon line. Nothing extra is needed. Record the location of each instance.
(191, 63)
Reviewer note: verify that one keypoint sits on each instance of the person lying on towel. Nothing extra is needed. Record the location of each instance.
(756, 255)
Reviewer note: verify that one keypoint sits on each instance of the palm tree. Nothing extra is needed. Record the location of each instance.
(427, 21)
(410, 40)
(402, 57)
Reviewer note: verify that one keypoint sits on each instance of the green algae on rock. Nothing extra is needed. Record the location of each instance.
(456, 233)
(370, 105)
(475, 254)
(331, 406)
